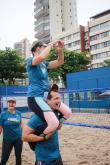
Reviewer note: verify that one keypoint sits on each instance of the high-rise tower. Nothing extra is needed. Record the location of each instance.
(63, 16)
(54, 17)
(42, 21)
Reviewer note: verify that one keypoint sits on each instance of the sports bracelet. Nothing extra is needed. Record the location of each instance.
(43, 135)
(51, 45)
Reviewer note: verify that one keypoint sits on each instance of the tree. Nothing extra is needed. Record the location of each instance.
(106, 62)
(74, 62)
(12, 66)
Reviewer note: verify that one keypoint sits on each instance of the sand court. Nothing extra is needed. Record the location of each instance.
(78, 145)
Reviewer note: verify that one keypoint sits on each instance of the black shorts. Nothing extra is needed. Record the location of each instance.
(35, 107)
(53, 162)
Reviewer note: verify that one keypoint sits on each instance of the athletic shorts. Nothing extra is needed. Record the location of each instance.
(53, 162)
(38, 106)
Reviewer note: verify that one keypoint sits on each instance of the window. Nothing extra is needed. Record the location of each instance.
(69, 37)
(100, 26)
(108, 54)
(69, 45)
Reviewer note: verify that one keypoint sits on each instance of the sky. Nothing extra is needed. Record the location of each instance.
(17, 18)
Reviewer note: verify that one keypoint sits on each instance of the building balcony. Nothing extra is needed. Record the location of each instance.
(41, 13)
(41, 34)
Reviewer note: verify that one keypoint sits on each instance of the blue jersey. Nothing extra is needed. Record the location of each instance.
(38, 78)
(11, 125)
(47, 150)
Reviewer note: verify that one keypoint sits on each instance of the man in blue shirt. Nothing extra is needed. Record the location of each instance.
(47, 146)
(11, 123)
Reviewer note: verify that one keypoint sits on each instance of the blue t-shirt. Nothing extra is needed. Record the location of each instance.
(11, 125)
(38, 78)
(47, 150)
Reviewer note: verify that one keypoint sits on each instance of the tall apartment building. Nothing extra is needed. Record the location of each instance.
(23, 47)
(63, 16)
(54, 17)
(99, 38)
(42, 20)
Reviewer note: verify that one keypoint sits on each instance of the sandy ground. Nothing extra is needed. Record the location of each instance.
(78, 145)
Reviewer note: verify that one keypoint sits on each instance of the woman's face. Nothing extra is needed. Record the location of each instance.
(11, 105)
(39, 49)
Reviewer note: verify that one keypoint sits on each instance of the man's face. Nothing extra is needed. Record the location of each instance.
(55, 101)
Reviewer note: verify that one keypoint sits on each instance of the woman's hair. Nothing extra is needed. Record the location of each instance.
(54, 88)
(36, 44)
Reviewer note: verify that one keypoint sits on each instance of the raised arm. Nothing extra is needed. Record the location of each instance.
(42, 55)
(60, 60)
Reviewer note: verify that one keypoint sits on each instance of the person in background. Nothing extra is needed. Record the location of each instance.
(46, 147)
(38, 81)
(11, 124)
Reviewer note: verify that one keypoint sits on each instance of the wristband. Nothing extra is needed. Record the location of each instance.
(51, 45)
(62, 120)
(43, 135)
